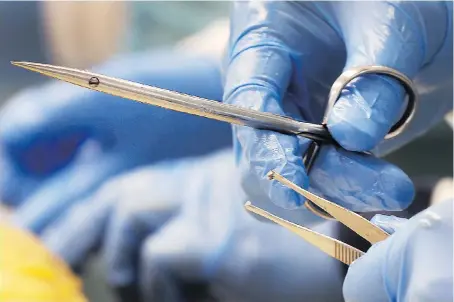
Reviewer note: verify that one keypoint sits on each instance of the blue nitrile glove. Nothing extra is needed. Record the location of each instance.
(60, 141)
(177, 223)
(283, 57)
(413, 264)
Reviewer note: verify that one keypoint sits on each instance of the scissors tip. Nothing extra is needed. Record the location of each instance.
(27, 65)
(57, 72)
(19, 63)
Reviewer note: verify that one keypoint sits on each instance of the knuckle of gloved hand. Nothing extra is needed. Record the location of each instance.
(253, 89)
(264, 62)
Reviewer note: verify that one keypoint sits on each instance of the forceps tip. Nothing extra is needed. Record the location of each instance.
(249, 206)
(271, 175)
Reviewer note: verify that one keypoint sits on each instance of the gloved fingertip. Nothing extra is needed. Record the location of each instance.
(366, 111)
(398, 187)
(343, 128)
(388, 223)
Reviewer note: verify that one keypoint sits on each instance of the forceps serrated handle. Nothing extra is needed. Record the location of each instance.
(345, 253)
(331, 246)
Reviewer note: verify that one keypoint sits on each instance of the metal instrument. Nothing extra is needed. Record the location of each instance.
(229, 113)
(333, 247)
(318, 133)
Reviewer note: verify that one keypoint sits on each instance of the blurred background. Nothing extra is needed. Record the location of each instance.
(60, 32)
(72, 34)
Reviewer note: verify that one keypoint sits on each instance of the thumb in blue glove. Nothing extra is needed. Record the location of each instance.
(404, 36)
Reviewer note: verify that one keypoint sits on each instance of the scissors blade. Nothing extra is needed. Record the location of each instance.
(333, 247)
(180, 102)
(353, 221)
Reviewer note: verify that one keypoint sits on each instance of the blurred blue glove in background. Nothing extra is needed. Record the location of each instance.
(283, 58)
(414, 264)
(60, 142)
(182, 222)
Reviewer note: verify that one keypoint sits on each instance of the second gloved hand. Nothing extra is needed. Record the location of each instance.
(414, 264)
(178, 228)
(283, 58)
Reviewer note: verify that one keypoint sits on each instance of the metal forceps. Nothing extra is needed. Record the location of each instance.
(333, 247)
(318, 133)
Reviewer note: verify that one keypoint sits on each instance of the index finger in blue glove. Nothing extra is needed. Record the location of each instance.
(261, 66)
(360, 182)
(389, 224)
(413, 264)
(400, 35)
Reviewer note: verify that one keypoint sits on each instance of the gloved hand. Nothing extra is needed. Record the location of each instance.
(414, 264)
(177, 225)
(60, 142)
(283, 58)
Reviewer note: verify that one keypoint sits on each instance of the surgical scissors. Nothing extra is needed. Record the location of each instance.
(318, 133)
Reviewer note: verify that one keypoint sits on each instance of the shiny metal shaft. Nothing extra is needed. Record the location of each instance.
(181, 102)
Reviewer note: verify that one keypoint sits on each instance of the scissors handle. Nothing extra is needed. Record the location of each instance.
(347, 76)
(336, 89)
(228, 113)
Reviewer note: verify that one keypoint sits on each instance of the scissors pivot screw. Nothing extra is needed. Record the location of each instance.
(93, 82)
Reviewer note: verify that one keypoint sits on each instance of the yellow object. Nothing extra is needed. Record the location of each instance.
(31, 273)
